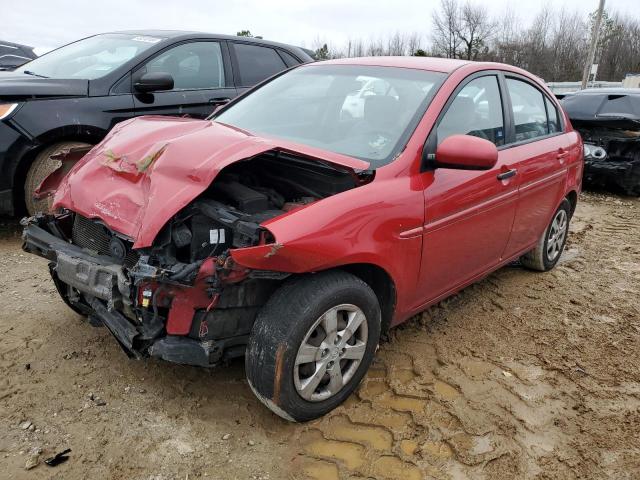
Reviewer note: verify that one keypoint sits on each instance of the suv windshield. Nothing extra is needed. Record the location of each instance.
(362, 111)
(90, 58)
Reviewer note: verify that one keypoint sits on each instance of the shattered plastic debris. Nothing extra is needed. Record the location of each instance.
(33, 459)
(58, 458)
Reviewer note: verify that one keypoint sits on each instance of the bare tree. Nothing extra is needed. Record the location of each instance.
(375, 48)
(474, 28)
(567, 42)
(552, 46)
(396, 44)
(507, 47)
(413, 44)
(446, 41)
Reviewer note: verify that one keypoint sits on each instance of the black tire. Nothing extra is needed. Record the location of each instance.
(285, 322)
(538, 258)
(43, 165)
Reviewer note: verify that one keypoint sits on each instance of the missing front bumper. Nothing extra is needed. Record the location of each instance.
(99, 288)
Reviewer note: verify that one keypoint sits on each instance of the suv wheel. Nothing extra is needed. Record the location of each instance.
(547, 252)
(41, 168)
(312, 343)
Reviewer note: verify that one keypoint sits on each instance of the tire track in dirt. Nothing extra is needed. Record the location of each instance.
(523, 375)
(508, 379)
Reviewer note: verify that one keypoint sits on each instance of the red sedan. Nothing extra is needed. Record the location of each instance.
(310, 215)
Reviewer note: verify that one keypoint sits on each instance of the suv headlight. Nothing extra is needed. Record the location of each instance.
(6, 109)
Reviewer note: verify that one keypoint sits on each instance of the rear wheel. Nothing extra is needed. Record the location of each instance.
(312, 343)
(547, 252)
(41, 168)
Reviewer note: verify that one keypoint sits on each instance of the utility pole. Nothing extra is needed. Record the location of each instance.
(594, 45)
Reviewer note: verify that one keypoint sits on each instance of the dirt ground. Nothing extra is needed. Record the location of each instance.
(523, 375)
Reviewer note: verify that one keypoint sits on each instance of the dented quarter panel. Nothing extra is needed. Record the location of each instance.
(184, 155)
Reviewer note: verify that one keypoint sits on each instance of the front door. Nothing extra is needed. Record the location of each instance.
(468, 213)
(200, 81)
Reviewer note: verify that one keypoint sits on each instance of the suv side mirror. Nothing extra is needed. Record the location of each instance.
(466, 152)
(154, 82)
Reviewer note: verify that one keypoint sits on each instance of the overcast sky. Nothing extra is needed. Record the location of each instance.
(46, 24)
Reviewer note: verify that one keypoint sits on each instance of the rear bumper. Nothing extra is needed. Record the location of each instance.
(101, 288)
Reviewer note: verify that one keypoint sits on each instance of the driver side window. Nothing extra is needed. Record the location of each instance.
(477, 111)
(193, 65)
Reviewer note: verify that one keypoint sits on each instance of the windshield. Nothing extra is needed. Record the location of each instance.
(361, 111)
(90, 58)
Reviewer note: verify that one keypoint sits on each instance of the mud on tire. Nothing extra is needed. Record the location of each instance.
(274, 351)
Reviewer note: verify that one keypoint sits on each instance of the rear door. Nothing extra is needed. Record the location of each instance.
(201, 75)
(469, 213)
(538, 150)
(253, 63)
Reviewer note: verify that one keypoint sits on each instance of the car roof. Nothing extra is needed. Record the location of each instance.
(11, 44)
(186, 34)
(444, 65)
(607, 91)
(25, 48)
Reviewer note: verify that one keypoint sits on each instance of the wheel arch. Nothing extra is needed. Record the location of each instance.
(89, 135)
(382, 285)
(572, 197)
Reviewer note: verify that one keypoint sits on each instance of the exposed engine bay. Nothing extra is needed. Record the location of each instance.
(184, 299)
(229, 213)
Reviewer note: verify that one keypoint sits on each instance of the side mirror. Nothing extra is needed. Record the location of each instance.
(154, 82)
(466, 152)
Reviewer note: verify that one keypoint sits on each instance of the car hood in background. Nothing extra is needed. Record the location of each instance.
(20, 86)
(609, 109)
(149, 168)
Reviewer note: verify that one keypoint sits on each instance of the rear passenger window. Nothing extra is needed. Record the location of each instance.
(257, 63)
(552, 112)
(529, 113)
(476, 111)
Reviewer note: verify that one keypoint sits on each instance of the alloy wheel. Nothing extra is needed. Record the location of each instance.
(557, 234)
(330, 352)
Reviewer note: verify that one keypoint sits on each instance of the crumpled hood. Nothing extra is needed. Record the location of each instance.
(16, 86)
(147, 169)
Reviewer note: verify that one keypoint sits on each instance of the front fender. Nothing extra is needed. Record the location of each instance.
(368, 225)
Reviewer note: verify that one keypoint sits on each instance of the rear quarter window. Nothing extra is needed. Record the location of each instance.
(289, 59)
(255, 63)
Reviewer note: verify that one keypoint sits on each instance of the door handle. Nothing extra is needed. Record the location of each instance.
(562, 153)
(507, 174)
(219, 100)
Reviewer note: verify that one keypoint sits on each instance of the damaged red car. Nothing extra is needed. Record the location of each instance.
(307, 217)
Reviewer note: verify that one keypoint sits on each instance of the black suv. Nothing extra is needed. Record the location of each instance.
(72, 96)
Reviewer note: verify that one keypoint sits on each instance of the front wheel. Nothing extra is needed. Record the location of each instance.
(547, 252)
(312, 343)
